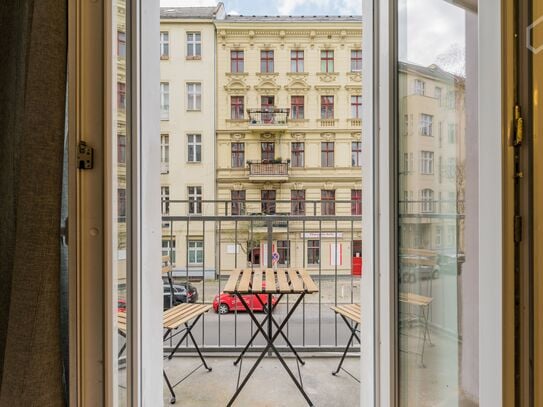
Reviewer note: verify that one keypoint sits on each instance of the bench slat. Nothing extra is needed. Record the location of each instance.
(231, 284)
(257, 281)
(270, 281)
(283, 282)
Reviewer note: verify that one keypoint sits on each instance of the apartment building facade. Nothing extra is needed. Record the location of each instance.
(289, 138)
(432, 145)
(187, 139)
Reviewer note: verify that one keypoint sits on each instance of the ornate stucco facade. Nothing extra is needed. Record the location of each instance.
(269, 70)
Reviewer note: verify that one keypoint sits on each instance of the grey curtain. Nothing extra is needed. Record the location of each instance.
(33, 57)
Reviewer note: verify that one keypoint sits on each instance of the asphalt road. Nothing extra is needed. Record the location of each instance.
(235, 329)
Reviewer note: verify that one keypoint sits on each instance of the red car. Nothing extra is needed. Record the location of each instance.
(230, 302)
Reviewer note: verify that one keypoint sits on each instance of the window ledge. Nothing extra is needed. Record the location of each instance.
(193, 58)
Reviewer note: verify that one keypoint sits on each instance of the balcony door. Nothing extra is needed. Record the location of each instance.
(433, 164)
(267, 150)
(267, 103)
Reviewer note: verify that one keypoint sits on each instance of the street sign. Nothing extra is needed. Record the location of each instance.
(275, 257)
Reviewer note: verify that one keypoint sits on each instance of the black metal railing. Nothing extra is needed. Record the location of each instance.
(322, 244)
(268, 116)
(268, 168)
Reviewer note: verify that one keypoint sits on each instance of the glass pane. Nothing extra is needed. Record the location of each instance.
(121, 193)
(437, 206)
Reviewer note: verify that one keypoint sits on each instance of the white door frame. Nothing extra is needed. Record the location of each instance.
(379, 351)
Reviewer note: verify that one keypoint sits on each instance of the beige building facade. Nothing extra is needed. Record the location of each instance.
(187, 85)
(288, 137)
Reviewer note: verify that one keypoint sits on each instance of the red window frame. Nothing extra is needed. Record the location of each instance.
(121, 95)
(266, 61)
(328, 204)
(121, 149)
(297, 104)
(121, 44)
(283, 249)
(356, 60)
(297, 152)
(236, 107)
(327, 154)
(356, 106)
(267, 151)
(238, 155)
(356, 153)
(327, 56)
(267, 197)
(238, 202)
(356, 202)
(237, 61)
(297, 60)
(297, 201)
(327, 107)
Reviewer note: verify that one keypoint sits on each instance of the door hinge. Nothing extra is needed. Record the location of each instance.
(519, 127)
(518, 229)
(85, 156)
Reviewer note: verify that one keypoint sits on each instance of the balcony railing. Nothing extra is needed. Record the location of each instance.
(268, 117)
(275, 170)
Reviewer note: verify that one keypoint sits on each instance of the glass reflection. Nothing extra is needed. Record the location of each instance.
(437, 205)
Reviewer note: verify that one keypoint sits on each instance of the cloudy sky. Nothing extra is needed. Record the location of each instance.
(429, 28)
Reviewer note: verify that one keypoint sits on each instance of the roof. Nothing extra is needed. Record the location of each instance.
(189, 12)
(433, 71)
(281, 19)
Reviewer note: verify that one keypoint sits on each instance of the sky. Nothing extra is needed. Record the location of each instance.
(437, 26)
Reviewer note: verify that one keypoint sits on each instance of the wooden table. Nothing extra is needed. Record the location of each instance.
(270, 282)
(423, 303)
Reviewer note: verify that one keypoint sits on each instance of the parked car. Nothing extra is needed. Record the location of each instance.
(226, 303)
(181, 294)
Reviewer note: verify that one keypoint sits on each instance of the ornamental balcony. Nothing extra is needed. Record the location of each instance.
(266, 119)
(273, 170)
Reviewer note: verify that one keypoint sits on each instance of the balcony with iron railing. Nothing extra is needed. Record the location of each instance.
(271, 170)
(266, 119)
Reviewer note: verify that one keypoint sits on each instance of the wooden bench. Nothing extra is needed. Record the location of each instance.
(350, 313)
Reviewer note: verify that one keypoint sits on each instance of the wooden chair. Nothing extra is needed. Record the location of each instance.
(350, 313)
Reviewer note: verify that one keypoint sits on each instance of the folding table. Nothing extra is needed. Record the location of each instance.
(270, 282)
(348, 312)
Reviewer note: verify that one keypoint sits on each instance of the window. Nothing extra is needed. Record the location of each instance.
(121, 44)
(426, 162)
(356, 107)
(268, 201)
(194, 145)
(451, 168)
(164, 45)
(121, 95)
(297, 107)
(451, 99)
(438, 93)
(427, 200)
(356, 153)
(194, 96)
(426, 121)
(357, 248)
(267, 104)
(164, 153)
(328, 205)
(165, 199)
(237, 61)
(195, 200)
(313, 251)
(236, 107)
(267, 151)
(194, 44)
(238, 202)
(356, 60)
(121, 204)
(266, 61)
(238, 155)
(164, 101)
(452, 132)
(327, 61)
(419, 87)
(451, 235)
(327, 154)
(297, 197)
(356, 202)
(196, 251)
(168, 248)
(327, 107)
(438, 236)
(297, 154)
(283, 249)
(296, 61)
(121, 148)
